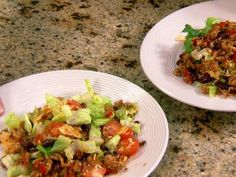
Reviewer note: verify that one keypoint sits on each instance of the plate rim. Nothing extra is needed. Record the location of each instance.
(150, 97)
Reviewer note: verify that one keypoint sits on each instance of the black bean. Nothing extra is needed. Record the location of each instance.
(142, 143)
(223, 34)
(221, 85)
(179, 62)
(205, 78)
(193, 73)
(83, 105)
(233, 90)
(216, 45)
(85, 127)
(27, 143)
(182, 55)
(48, 142)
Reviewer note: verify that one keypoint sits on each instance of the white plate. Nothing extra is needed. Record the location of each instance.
(159, 53)
(24, 94)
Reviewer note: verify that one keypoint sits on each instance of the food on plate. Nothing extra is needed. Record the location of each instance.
(84, 135)
(209, 57)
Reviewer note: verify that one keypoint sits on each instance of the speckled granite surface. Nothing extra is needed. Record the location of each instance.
(105, 35)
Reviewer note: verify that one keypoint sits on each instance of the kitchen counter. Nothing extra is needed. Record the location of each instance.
(105, 35)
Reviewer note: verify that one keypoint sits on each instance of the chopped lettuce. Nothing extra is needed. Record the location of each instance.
(101, 100)
(44, 150)
(97, 110)
(191, 32)
(10, 160)
(127, 111)
(121, 113)
(97, 106)
(35, 155)
(136, 127)
(69, 152)
(64, 115)
(89, 87)
(61, 144)
(88, 146)
(53, 103)
(12, 121)
(38, 128)
(84, 98)
(27, 124)
(100, 122)
(95, 134)
(79, 117)
(212, 91)
(113, 142)
(209, 24)
(15, 171)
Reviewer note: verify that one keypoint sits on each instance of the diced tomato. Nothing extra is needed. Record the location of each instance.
(109, 171)
(234, 57)
(39, 165)
(38, 139)
(53, 128)
(25, 157)
(223, 24)
(232, 32)
(126, 132)
(1, 107)
(43, 169)
(111, 128)
(74, 105)
(187, 76)
(96, 171)
(128, 147)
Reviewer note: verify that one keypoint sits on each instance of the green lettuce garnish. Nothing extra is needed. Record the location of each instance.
(191, 32)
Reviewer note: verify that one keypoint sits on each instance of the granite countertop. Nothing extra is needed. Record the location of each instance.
(105, 35)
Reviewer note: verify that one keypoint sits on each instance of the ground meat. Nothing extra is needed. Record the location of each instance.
(9, 143)
(114, 163)
(58, 157)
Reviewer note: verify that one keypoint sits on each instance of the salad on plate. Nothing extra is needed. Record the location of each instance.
(209, 57)
(80, 136)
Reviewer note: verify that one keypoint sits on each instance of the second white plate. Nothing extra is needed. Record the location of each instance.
(159, 53)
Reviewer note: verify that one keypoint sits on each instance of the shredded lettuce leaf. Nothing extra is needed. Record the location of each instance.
(82, 116)
(61, 144)
(191, 32)
(44, 150)
(27, 124)
(212, 91)
(113, 142)
(10, 160)
(15, 171)
(121, 113)
(64, 115)
(53, 103)
(12, 121)
(88, 146)
(97, 110)
(89, 87)
(136, 127)
(95, 134)
(100, 122)
(38, 128)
